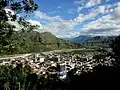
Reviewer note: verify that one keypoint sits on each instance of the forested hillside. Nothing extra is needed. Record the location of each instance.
(33, 41)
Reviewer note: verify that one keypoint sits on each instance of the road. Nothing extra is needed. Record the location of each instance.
(16, 56)
(47, 52)
(65, 50)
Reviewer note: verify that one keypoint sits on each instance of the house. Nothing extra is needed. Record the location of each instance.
(41, 59)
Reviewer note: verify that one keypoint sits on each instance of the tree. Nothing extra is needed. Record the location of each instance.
(116, 49)
(8, 12)
(116, 46)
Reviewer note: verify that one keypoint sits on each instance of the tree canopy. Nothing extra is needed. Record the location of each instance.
(9, 9)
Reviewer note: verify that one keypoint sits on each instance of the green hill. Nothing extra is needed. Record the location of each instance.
(33, 41)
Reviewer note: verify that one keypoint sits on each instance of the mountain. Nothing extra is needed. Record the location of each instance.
(84, 39)
(81, 38)
(102, 39)
(97, 39)
(33, 41)
(47, 37)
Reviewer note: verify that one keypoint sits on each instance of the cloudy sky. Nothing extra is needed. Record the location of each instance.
(71, 18)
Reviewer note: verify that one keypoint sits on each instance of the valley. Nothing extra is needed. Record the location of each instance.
(59, 44)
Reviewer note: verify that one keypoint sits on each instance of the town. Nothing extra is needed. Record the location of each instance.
(58, 63)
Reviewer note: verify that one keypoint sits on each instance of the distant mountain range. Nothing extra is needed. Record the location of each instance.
(83, 39)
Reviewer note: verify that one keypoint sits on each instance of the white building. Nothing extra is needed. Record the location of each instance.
(41, 59)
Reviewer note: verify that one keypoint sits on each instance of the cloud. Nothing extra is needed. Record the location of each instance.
(44, 16)
(102, 9)
(91, 15)
(92, 3)
(54, 12)
(109, 22)
(71, 11)
(116, 13)
(79, 2)
(69, 34)
(57, 25)
(79, 8)
(34, 23)
(107, 25)
(82, 4)
(118, 4)
(59, 7)
(107, 0)
(62, 26)
(73, 34)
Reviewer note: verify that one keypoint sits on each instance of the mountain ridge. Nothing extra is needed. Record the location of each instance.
(33, 41)
(85, 38)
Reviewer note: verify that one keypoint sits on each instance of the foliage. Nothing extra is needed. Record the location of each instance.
(116, 47)
(8, 12)
(20, 78)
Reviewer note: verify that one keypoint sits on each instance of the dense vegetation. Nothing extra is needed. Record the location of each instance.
(20, 78)
(33, 41)
(9, 9)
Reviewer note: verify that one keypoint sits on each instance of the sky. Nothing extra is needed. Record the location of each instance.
(71, 18)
